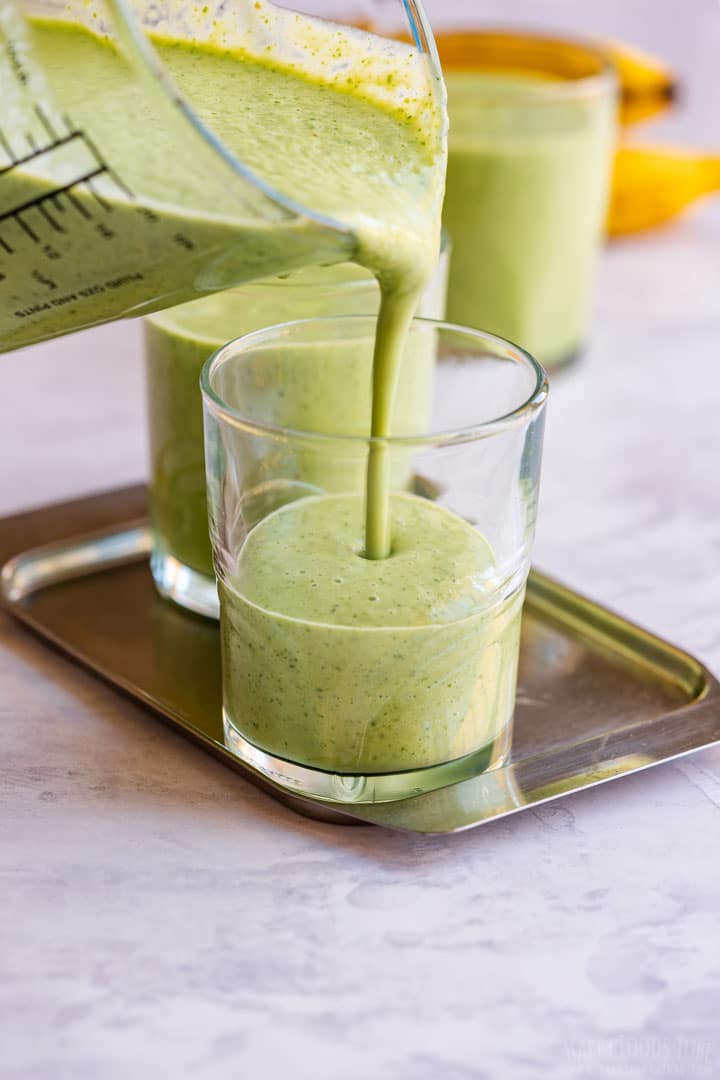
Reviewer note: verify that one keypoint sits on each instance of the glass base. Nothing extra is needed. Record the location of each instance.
(184, 586)
(371, 788)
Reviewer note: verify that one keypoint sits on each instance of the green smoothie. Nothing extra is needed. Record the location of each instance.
(527, 185)
(367, 666)
(313, 389)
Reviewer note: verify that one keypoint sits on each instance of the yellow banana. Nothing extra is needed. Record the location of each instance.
(652, 185)
(647, 86)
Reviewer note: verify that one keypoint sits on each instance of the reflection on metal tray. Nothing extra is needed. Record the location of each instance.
(598, 698)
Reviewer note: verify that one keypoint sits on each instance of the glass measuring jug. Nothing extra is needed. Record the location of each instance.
(119, 192)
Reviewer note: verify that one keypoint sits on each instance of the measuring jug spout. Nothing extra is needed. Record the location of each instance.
(151, 153)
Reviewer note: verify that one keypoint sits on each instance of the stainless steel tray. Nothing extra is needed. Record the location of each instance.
(598, 697)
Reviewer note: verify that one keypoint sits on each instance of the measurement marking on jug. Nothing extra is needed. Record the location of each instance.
(57, 140)
(17, 210)
(79, 194)
(17, 162)
(98, 198)
(117, 180)
(45, 121)
(77, 205)
(50, 219)
(26, 229)
(7, 148)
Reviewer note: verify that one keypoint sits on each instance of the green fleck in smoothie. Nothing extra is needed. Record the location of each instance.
(527, 185)
(367, 666)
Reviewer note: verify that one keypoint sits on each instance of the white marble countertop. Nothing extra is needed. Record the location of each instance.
(161, 917)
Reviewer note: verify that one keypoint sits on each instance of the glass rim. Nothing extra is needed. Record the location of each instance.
(561, 89)
(533, 403)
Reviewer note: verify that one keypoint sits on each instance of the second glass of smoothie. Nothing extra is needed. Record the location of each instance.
(318, 388)
(370, 679)
(530, 150)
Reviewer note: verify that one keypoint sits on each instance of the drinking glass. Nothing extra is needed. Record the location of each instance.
(532, 135)
(354, 679)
